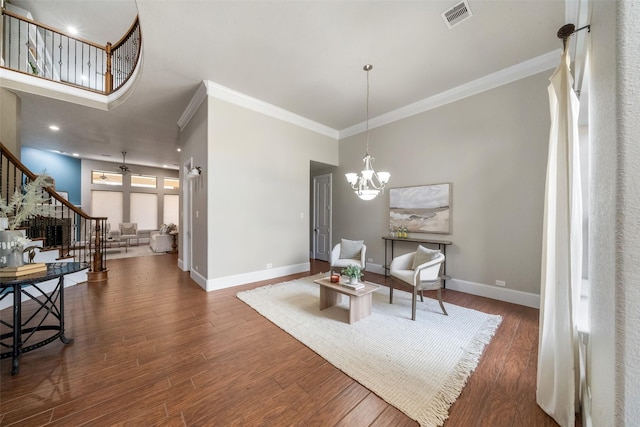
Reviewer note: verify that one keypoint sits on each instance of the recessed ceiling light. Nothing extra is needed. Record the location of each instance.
(179, 150)
(54, 127)
(165, 166)
(76, 155)
(72, 30)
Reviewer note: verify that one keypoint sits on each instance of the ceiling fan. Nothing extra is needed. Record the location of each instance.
(123, 167)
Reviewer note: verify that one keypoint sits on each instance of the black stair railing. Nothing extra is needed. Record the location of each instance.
(65, 229)
(36, 49)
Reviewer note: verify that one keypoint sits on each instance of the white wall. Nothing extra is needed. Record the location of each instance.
(492, 147)
(10, 121)
(258, 210)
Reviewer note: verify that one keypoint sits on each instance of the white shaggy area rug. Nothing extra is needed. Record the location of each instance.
(419, 367)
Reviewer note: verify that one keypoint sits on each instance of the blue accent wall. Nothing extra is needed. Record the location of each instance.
(65, 170)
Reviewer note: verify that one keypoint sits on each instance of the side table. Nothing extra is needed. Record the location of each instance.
(49, 306)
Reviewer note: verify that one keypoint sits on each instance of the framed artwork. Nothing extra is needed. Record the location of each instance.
(422, 209)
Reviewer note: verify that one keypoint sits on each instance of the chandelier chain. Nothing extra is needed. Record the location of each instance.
(367, 110)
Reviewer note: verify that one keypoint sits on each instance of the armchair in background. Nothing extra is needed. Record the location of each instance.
(160, 242)
(129, 231)
(348, 252)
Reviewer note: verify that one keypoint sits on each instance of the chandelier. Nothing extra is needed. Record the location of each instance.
(370, 183)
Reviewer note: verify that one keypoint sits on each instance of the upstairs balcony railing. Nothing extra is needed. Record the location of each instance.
(39, 50)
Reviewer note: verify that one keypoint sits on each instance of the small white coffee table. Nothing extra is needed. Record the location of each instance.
(359, 300)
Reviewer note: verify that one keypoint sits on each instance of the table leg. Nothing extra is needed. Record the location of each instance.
(17, 329)
(63, 338)
(386, 264)
(444, 265)
(359, 307)
(328, 297)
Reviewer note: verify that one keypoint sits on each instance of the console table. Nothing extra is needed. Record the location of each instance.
(442, 246)
(26, 334)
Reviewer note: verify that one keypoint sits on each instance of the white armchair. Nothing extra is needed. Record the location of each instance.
(424, 276)
(161, 242)
(348, 252)
(129, 231)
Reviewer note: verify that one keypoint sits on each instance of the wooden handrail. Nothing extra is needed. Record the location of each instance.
(47, 27)
(127, 34)
(25, 171)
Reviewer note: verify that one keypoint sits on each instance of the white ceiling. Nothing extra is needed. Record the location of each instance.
(302, 56)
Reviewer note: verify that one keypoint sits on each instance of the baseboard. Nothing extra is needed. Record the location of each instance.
(199, 279)
(502, 294)
(255, 276)
(374, 268)
(482, 290)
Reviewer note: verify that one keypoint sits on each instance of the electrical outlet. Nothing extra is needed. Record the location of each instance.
(501, 283)
(269, 265)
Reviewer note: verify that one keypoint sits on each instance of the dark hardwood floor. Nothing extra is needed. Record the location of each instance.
(152, 348)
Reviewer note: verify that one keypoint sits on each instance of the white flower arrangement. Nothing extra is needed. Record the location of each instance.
(30, 200)
(21, 241)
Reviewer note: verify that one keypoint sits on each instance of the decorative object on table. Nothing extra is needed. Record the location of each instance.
(168, 228)
(354, 273)
(22, 270)
(370, 184)
(420, 367)
(335, 278)
(29, 200)
(421, 209)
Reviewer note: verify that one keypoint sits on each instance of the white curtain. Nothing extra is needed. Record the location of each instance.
(558, 370)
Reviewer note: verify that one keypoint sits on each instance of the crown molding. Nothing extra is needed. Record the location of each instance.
(507, 75)
(223, 93)
(234, 97)
(192, 107)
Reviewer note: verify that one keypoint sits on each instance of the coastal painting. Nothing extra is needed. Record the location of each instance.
(422, 209)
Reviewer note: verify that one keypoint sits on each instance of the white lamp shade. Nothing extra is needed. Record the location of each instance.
(352, 178)
(367, 174)
(384, 177)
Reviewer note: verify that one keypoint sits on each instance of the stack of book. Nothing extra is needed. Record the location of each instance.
(22, 270)
(355, 287)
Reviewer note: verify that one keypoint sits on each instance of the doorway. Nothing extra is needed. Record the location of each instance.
(322, 214)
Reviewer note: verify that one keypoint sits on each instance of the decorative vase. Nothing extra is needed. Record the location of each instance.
(353, 280)
(10, 251)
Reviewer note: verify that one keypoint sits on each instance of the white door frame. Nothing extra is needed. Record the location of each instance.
(186, 223)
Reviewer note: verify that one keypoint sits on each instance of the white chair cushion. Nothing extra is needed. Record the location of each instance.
(346, 262)
(350, 249)
(404, 275)
(424, 255)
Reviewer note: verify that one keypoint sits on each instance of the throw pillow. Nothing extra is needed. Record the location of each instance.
(350, 249)
(128, 230)
(424, 255)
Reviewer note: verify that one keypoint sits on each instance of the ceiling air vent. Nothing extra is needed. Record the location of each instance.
(457, 14)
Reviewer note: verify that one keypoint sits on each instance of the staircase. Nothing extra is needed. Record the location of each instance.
(66, 233)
